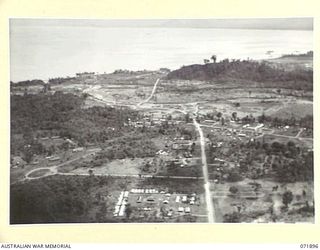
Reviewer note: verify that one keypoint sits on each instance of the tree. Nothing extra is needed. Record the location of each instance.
(193, 146)
(261, 118)
(234, 116)
(128, 210)
(198, 119)
(28, 156)
(85, 95)
(187, 118)
(222, 121)
(214, 58)
(206, 61)
(64, 146)
(234, 176)
(232, 217)
(287, 198)
(233, 190)
(51, 150)
(291, 144)
(147, 167)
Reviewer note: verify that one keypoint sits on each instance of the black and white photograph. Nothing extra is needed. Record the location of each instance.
(161, 120)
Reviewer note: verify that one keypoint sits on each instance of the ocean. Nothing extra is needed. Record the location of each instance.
(40, 52)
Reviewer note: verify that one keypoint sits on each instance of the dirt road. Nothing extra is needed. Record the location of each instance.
(152, 93)
(54, 169)
(209, 202)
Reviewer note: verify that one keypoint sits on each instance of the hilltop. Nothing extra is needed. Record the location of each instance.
(253, 71)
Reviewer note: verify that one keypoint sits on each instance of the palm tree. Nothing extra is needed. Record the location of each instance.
(214, 58)
(90, 172)
(287, 197)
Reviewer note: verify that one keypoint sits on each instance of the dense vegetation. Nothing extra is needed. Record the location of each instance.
(245, 70)
(61, 114)
(52, 81)
(309, 54)
(289, 163)
(27, 83)
(282, 162)
(138, 145)
(57, 199)
(81, 199)
(60, 80)
(304, 122)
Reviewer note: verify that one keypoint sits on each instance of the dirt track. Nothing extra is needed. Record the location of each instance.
(210, 208)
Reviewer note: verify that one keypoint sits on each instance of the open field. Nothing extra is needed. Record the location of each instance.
(121, 167)
(295, 108)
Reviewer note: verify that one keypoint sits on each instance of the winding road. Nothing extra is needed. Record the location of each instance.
(54, 169)
(152, 93)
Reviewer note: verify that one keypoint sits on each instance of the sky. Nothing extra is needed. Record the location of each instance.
(232, 23)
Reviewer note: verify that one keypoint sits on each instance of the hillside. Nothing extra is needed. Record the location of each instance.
(246, 70)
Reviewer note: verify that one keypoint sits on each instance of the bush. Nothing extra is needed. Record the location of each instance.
(234, 176)
(233, 190)
(287, 198)
(231, 218)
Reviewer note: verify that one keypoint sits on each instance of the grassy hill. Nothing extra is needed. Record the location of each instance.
(246, 70)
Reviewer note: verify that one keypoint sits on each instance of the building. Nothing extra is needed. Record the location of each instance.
(181, 145)
(178, 199)
(56, 158)
(71, 142)
(184, 198)
(209, 121)
(77, 149)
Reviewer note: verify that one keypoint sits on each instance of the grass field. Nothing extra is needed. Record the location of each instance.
(294, 109)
